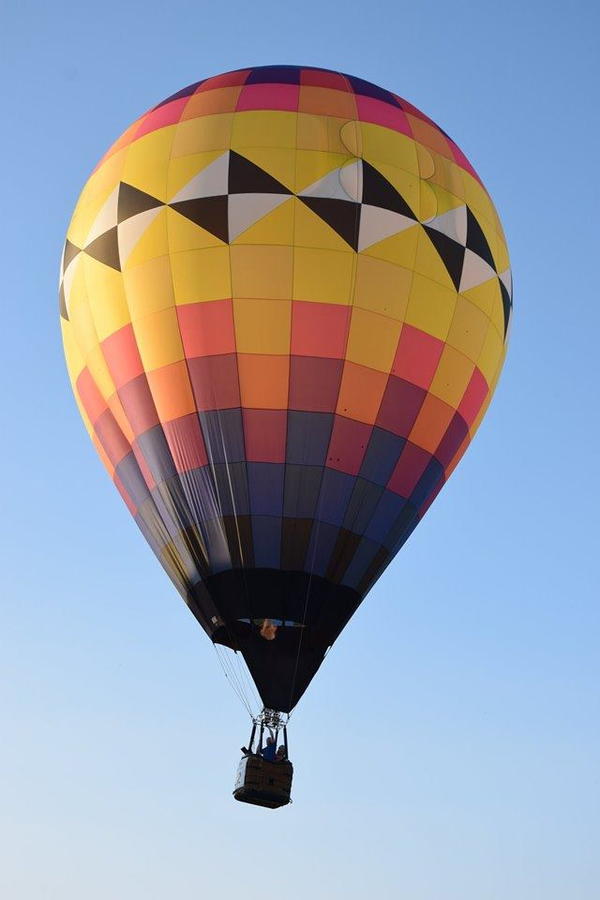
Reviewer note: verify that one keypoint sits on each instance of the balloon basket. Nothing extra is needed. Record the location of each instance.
(264, 783)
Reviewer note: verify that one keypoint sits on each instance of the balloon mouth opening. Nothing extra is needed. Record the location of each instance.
(278, 623)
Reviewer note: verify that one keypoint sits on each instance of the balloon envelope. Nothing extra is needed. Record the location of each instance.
(285, 298)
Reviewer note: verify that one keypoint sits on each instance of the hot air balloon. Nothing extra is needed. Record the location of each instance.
(285, 297)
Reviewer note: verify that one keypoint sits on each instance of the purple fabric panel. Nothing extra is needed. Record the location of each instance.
(265, 481)
(336, 490)
(266, 536)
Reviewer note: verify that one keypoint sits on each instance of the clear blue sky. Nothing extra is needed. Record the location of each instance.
(449, 747)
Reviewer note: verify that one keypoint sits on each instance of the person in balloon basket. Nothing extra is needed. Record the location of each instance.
(269, 751)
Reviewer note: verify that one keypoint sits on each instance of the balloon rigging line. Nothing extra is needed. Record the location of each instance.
(232, 678)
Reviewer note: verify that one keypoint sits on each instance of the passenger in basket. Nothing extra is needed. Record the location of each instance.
(269, 751)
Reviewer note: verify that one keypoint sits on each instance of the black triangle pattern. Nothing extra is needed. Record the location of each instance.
(476, 240)
(105, 249)
(245, 177)
(377, 191)
(341, 215)
(506, 304)
(133, 201)
(69, 254)
(451, 253)
(211, 213)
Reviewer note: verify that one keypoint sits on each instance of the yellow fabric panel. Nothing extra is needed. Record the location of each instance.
(258, 271)
(490, 354)
(485, 296)
(452, 376)
(73, 358)
(427, 208)
(147, 162)
(78, 292)
(107, 299)
(149, 287)
(82, 321)
(382, 287)
(448, 176)
(351, 136)
(425, 160)
(213, 133)
(314, 164)
(200, 275)
(320, 133)
(276, 227)
(389, 148)
(158, 339)
(430, 307)
(372, 340)
(263, 128)
(103, 179)
(468, 329)
(323, 276)
(262, 326)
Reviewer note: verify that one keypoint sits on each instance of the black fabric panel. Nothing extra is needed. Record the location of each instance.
(275, 594)
(295, 537)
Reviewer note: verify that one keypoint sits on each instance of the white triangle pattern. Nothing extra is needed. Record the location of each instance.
(453, 224)
(106, 218)
(130, 231)
(67, 280)
(213, 181)
(376, 224)
(506, 279)
(244, 210)
(475, 271)
(329, 187)
(351, 179)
